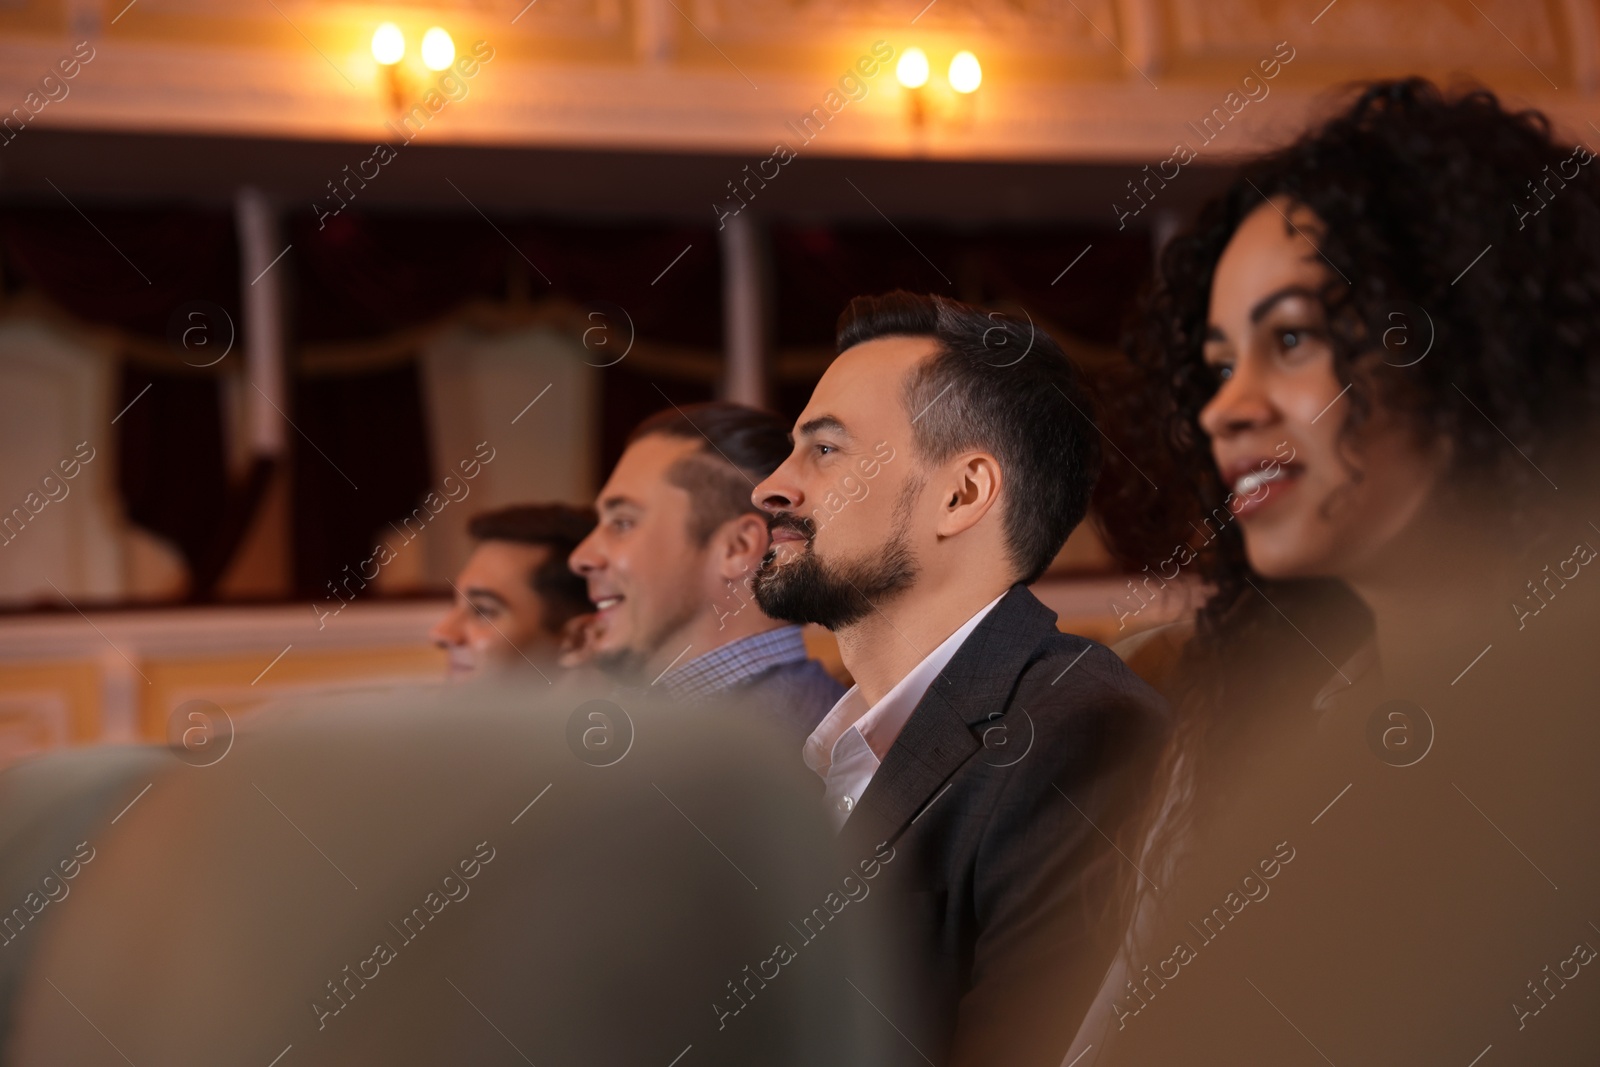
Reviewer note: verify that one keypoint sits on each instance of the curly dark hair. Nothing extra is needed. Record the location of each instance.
(1427, 209)
(1473, 225)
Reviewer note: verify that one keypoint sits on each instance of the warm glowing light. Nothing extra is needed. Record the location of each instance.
(912, 70)
(965, 73)
(439, 51)
(388, 44)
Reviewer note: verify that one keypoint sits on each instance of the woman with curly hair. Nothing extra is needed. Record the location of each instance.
(1374, 368)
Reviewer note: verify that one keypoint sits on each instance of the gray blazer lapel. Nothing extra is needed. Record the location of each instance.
(941, 734)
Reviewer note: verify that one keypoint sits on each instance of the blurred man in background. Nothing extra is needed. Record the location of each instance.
(670, 563)
(515, 600)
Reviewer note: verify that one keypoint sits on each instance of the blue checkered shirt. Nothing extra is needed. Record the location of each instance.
(735, 663)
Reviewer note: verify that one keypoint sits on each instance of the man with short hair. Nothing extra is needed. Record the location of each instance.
(516, 603)
(993, 751)
(669, 565)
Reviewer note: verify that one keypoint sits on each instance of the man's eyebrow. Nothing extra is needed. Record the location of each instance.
(478, 593)
(821, 422)
(618, 501)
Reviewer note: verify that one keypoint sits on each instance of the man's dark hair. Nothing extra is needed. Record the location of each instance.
(996, 383)
(739, 446)
(560, 527)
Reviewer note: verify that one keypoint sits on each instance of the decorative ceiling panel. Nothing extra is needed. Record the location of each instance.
(1082, 25)
(1459, 34)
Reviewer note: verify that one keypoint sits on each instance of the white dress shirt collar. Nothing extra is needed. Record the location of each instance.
(850, 743)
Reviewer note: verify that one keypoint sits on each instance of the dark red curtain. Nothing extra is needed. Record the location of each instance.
(131, 268)
(365, 275)
(361, 275)
(138, 270)
(817, 269)
(369, 467)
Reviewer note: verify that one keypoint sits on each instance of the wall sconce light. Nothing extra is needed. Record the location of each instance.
(388, 44)
(965, 73)
(439, 51)
(912, 70)
(951, 103)
(389, 48)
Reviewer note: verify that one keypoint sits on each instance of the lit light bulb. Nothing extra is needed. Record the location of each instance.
(912, 70)
(965, 73)
(388, 44)
(439, 51)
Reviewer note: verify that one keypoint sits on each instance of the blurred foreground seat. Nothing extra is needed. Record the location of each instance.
(471, 875)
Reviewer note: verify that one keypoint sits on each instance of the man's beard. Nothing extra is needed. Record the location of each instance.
(836, 594)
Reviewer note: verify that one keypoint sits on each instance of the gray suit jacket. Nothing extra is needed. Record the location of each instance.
(999, 800)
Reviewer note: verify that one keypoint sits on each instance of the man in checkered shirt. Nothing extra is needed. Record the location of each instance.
(670, 563)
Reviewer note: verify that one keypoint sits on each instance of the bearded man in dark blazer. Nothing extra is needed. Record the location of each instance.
(942, 462)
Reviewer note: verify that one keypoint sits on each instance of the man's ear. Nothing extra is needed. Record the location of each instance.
(741, 544)
(970, 487)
